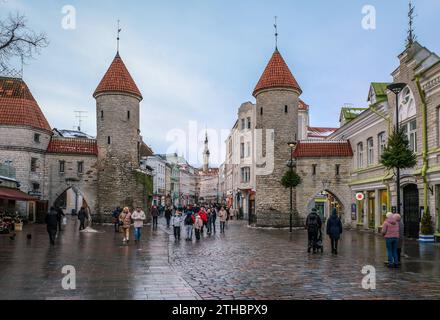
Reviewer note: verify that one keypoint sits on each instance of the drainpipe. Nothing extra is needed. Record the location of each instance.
(425, 165)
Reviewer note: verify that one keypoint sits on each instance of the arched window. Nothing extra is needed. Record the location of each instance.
(407, 104)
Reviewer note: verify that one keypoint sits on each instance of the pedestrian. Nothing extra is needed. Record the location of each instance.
(51, 224)
(115, 217)
(398, 219)
(125, 218)
(138, 217)
(168, 214)
(189, 223)
(204, 216)
(390, 230)
(209, 224)
(223, 215)
(155, 215)
(198, 225)
(60, 216)
(82, 214)
(313, 226)
(214, 217)
(176, 221)
(334, 230)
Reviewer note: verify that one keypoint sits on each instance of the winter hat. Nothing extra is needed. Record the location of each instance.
(397, 217)
(389, 215)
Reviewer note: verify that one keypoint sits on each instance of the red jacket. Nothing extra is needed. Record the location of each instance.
(203, 216)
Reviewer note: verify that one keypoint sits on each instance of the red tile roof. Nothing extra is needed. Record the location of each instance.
(318, 149)
(302, 105)
(276, 75)
(18, 107)
(73, 146)
(117, 79)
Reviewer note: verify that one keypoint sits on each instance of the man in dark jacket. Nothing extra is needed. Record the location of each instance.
(115, 215)
(155, 215)
(334, 230)
(52, 223)
(60, 215)
(168, 214)
(313, 226)
(82, 215)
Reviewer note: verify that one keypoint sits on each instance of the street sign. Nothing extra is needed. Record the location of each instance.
(360, 196)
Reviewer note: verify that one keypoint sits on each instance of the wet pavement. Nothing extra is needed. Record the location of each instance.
(244, 263)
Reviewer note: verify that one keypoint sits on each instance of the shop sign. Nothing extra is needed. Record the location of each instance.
(360, 196)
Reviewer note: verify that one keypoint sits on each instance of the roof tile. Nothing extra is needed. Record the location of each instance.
(318, 149)
(73, 146)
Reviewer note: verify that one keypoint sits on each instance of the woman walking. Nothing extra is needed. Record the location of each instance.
(334, 230)
(189, 222)
(176, 221)
(390, 231)
(198, 226)
(125, 219)
(223, 215)
(138, 217)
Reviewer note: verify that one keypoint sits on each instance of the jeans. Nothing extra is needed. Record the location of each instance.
(334, 243)
(177, 233)
(392, 250)
(81, 226)
(213, 224)
(52, 235)
(197, 232)
(189, 230)
(313, 237)
(222, 226)
(155, 222)
(168, 221)
(137, 233)
(116, 226)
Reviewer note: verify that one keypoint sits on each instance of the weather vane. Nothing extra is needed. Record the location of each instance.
(119, 31)
(276, 33)
(411, 36)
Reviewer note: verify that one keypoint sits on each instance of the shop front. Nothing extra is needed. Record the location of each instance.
(10, 218)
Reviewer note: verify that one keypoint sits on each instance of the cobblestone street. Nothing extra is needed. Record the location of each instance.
(244, 263)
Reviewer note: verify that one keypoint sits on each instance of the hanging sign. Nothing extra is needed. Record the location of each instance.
(360, 196)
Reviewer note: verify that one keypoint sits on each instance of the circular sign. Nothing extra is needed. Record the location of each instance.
(359, 196)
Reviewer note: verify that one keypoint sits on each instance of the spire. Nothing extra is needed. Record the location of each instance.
(118, 38)
(411, 36)
(276, 34)
(277, 75)
(206, 154)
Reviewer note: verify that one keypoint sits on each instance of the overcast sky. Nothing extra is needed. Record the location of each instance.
(199, 60)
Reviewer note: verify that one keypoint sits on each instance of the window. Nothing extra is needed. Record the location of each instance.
(80, 166)
(360, 155)
(62, 165)
(314, 166)
(261, 110)
(109, 140)
(102, 114)
(249, 123)
(410, 130)
(338, 169)
(370, 151)
(37, 137)
(381, 142)
(128, 114)
(242, 150)
(35, 186)
(243, 124)
(248, 149)
(245, 174)
(285, 109)
(34, 164)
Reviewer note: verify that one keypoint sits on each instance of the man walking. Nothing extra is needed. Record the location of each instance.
(155, 215)
(60, 215)
(52, 223)
(313, 226)
(82, 214)
(138, 217)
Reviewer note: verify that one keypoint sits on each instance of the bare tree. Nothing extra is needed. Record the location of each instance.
(18, 41)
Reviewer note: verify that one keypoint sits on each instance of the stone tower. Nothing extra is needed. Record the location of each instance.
(118, 139)
(206, 154)
(277, 94)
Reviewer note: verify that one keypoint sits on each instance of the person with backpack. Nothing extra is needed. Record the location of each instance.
(334, 230)
(313, 226)
(189, 222)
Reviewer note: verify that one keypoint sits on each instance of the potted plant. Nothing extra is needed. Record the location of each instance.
(427, 228)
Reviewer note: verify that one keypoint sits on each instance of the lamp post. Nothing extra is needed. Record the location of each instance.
(396, 88)
(292, 146)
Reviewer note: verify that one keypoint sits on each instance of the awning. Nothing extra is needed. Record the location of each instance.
(15, 194)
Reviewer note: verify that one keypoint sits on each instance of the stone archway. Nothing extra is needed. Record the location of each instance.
(324, 201)
(73, 197)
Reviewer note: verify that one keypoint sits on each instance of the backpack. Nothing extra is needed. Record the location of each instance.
(313, 223)
(188, 220)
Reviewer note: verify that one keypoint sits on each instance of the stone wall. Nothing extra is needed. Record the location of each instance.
(272, 203)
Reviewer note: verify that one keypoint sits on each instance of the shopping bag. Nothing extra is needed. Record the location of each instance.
(64, 221)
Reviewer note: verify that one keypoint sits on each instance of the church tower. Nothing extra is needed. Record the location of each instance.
(118, 137)
(206, 154)
(277, 95)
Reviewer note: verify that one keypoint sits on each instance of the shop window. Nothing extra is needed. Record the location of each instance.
(383, 205)
(34, 164)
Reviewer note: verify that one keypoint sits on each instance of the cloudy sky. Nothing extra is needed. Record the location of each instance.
(195, 62)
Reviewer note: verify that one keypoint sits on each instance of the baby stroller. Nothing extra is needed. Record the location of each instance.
(319, 246)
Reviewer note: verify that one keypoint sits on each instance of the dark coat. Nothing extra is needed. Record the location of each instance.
(334, 227)
(51, 220)
(82, 214)
(60, 214)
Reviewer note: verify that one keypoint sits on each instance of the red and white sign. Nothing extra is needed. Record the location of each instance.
(360, 196)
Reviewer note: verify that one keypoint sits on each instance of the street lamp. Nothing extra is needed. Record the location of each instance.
(292, 146)
(396, 88)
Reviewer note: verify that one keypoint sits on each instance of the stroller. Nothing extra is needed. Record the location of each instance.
(319, 246)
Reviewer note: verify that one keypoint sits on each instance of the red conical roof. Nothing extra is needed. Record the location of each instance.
(277, 75)
(18, 107)
(117, 79)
